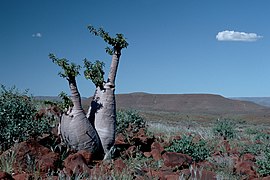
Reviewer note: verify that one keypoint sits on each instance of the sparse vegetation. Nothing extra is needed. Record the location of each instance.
(126, 118)
(17, 118)
(217, 143)
(224, 128)
(264, 163)
(197, 149)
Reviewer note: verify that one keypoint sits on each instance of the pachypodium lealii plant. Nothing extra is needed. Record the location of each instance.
(94, 131)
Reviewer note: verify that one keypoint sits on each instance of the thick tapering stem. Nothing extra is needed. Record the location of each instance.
(75, 95)
(75, 129)
(114, 65)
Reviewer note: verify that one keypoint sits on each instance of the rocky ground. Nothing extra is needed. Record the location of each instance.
(138, 155)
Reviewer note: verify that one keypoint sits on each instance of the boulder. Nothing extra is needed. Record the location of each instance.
(173, 159)
(30, 155)
(76, 164)
(246, 168)
(119, 165)
(156, 151)
(5, 176)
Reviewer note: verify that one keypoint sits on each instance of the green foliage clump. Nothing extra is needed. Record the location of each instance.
(264, 164)
(66, 101)
(124, 119)
(71, 70)
(17, 118)
(94, 71)
(263, 137)
(118, 43)
(254, 148)
(225, 128)
(197, 150)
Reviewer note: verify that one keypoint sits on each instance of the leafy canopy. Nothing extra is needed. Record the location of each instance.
(94, 71)
(71, 70)
(118, 43)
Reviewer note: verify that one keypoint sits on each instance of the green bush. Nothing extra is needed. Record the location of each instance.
(124, 119)
(197, 150)
(225, 128)
(264, 164)
(17, 118)
(263, 137)
(253, 148)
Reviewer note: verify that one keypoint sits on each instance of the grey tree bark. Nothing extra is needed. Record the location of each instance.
(102, 111)
(95, 131)
(75, 128)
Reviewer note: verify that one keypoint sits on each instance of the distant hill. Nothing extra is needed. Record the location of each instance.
(188, 103)
(194, 106)
(202, 107)
(264, 101)
(52, 98)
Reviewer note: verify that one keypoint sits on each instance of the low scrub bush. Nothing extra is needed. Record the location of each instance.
(262, 136)
(253, 148)
(264, 163)
(197, 150)
(224, 128)
(17, 118)
(127, 118)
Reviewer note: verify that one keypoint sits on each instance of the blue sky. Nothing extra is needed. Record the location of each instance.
(176, 47)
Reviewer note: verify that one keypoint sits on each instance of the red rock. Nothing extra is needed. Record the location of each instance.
(120, 139)
(119, 165)
(200, 174)
(208, 175)
(75, 164)
(262, 178)
(22, 176)
(172, 159)
(246, 168)
(172, 177)
(157, 146)
(131, 151)
(227, 146)
(5, 176)
(143, 141)
(205, 164)
(248, 157)
(153, 174)
(173, 138)
(88, 156)
(101, 170)
(162, 174)
(147, 154)
(156, 150)
(156, 154)
(42, 158)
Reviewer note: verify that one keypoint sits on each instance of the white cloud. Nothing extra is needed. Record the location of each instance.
(237, 36)
(37, 35)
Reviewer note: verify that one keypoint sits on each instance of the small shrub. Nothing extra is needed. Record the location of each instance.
(197, 150)
(17, 118)
(263, 137)
(251, 131)
(253, 148)
(224, 128)
(124, 119)
(264, 164)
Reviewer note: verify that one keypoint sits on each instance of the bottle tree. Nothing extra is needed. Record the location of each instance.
(94, 131)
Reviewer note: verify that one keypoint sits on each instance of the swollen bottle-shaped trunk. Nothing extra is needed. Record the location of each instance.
(75, 128)
(102, 112)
